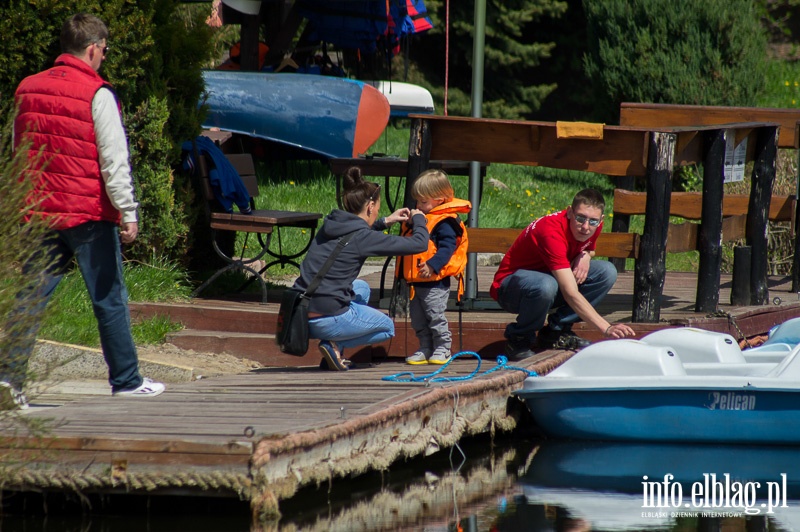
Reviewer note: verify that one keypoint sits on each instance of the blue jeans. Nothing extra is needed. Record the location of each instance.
(358, 325)
(96, 248)
(532, 295)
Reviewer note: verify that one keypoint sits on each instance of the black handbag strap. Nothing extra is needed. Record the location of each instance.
(312, 287)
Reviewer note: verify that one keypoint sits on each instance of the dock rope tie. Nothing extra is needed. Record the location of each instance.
(502, 363)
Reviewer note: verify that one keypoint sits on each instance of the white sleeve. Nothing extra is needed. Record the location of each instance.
(112, 146)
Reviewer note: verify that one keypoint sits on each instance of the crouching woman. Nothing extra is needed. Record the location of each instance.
(339, 311)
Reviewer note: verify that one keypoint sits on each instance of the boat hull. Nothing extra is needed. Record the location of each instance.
(405, 98)
(330, 117)
(732, 415)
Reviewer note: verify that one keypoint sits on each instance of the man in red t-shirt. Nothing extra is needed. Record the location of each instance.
(549, 267)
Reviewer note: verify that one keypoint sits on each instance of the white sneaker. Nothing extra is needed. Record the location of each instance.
(148, 388)
(11, 398)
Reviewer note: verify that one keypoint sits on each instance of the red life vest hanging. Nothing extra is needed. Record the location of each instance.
(416, 19)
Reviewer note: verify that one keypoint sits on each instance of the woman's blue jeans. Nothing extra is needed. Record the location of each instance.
(359, 325)
(96, 248)
(532, 295)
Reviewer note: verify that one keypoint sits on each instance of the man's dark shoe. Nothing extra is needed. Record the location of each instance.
(518, 347)
(565, 339)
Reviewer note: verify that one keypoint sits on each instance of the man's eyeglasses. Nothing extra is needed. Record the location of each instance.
(581, 219)
(104, 48)
(375, 195)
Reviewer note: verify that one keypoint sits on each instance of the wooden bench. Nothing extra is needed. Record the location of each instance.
(683, 237)
(498, 240)
(261, 223)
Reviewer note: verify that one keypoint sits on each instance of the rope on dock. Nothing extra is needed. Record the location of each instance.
(80, 481)
(502, 363)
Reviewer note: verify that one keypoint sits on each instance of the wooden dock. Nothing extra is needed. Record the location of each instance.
(263, 435)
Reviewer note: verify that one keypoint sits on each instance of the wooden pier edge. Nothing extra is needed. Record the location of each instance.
(267, 469)
(426, 421)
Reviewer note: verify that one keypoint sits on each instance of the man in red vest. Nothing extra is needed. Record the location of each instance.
(69, 121)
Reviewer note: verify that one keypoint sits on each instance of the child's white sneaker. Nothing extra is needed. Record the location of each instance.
(439, 358)
(417, 359)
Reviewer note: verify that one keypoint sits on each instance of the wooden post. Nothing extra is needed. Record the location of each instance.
(419, 156)
(758, 211)
(740, 286)
(621, 222)
(709, 238)
(796, 261)
(648, 284)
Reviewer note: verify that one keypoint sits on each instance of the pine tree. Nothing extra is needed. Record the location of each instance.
(511, 54)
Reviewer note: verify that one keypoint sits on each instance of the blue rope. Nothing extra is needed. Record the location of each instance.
(502, 363)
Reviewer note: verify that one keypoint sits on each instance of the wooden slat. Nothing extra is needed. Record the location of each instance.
(618, 245)
(491, 240)
(242, 163)
(662, 115)
(683, 237)
(498, 240)
(689, 205)
(621, 152)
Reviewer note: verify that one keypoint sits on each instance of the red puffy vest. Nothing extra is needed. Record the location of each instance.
(55, 117)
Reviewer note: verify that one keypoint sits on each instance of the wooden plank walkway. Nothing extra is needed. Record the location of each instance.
(263, 435)
(259, 436)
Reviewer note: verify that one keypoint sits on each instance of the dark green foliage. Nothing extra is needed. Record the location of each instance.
(574, 96)
(156, 50)
(512, 51)
(662, 51)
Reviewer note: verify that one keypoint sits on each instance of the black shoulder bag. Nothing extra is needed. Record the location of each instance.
(291, 333)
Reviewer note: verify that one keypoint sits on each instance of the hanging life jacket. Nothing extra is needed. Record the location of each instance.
(407, 266)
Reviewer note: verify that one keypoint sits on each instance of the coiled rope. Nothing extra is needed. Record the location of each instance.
(502, 363)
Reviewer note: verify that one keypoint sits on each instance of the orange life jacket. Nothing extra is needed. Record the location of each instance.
(407, 266)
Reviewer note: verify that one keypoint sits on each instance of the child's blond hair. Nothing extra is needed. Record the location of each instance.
(432, 184)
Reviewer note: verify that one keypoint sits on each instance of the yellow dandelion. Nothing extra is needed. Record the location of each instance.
(291, 182)
(303, 231)
(528, 192)
(786, 83)
(518, 205)
(796, 84)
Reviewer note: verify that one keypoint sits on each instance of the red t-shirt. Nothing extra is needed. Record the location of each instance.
(545, 245)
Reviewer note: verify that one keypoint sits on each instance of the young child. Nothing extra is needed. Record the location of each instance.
(428, 274)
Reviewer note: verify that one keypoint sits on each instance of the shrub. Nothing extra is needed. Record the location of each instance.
(661, 51)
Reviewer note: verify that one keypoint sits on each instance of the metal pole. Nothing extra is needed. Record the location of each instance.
(479, 38)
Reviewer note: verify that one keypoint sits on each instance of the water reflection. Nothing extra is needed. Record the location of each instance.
(628, 486)
(498, 486)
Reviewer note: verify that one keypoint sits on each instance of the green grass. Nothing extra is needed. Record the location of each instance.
(782, 85)
(69, 317)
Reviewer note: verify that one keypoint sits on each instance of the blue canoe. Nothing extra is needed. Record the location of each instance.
(676, 385)
(330, 117)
